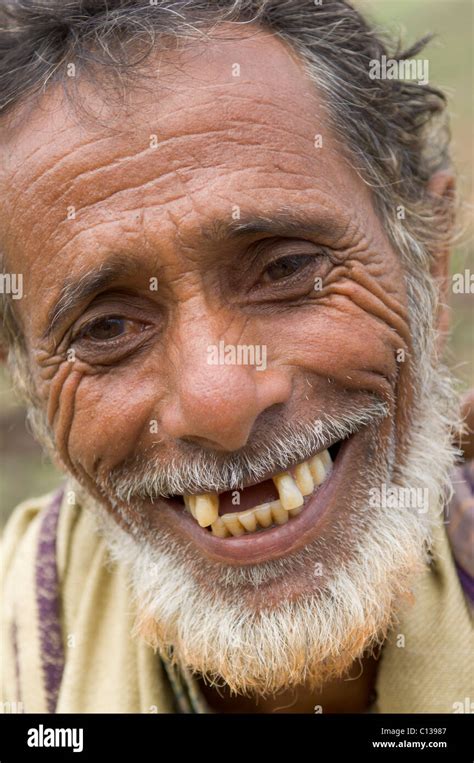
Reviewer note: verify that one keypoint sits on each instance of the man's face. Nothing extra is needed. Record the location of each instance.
(217, 211)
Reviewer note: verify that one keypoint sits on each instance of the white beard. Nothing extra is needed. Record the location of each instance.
(212, 619)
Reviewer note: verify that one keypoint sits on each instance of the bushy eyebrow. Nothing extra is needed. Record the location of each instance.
(118, 266)
(284, 223)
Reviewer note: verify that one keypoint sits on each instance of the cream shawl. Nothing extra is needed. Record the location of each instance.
(67, 615)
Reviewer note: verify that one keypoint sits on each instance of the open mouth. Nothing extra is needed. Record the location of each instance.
(274, 518)
(261, 507)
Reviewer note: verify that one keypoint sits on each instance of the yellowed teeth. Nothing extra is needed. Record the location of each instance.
(292, 489)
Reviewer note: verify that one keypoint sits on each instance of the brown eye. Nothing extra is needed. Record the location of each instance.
(285, 267)
(105, 329)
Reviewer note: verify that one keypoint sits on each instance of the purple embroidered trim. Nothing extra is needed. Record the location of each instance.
(466, 581)
(14, 636)
(48, 603)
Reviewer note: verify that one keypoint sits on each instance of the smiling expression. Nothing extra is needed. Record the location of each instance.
(215, 208)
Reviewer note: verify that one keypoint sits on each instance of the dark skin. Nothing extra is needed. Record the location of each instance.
(223, 142)
(352, 694)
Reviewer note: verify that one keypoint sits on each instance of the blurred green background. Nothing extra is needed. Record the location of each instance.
(25, 472)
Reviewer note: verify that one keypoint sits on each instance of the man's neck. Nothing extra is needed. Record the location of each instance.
(345, 695)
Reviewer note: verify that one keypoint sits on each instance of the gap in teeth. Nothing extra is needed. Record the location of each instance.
(293, 487)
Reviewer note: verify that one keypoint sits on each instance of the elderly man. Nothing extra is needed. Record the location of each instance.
(233, 243)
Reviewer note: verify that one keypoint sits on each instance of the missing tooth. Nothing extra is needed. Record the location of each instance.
(334, 450)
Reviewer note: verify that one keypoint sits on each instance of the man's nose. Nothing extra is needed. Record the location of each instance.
(215, 404)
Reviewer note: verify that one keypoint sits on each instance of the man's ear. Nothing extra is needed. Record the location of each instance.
(443, 186)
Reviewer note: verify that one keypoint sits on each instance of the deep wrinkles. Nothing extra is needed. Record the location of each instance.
(367, 294)
(384, 307)
(116, 163)
(123, 514)
(58, 380)
(371, 298)
(360, 288)
(62, 401)
(364, 291)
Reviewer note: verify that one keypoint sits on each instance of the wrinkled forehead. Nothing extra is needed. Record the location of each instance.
(211, 124)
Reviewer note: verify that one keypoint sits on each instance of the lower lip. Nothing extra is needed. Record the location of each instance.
(273, 543)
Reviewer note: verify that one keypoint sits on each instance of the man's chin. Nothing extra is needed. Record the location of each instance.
(308, 641)
(283, 632)
(263, 673)
(279, 624)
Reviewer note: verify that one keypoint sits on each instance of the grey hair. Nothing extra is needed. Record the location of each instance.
(394, 132)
